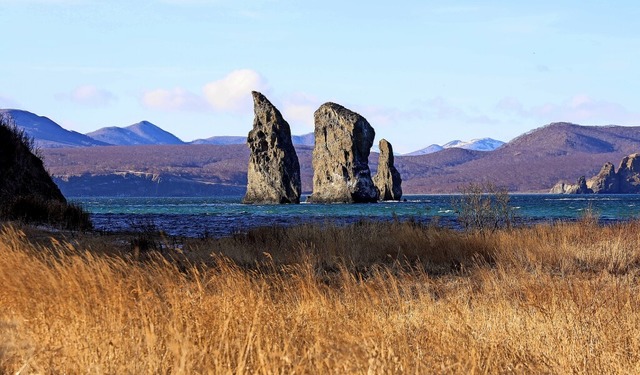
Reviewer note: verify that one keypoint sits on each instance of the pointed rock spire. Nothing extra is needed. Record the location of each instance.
(273, 175)
(387, 179)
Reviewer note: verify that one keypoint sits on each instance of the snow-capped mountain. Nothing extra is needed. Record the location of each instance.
(141, 133)
(478, 144)
(45, 132)
(483, 144)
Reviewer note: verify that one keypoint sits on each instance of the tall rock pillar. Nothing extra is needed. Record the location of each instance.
(341, 157)
(274, 171)
(387, 179)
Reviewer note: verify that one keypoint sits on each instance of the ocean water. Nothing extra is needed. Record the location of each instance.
(220, 216)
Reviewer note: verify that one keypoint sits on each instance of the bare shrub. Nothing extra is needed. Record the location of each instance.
(483, 207)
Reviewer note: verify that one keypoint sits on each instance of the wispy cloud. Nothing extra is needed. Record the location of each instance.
(437, 110)
(580, 109)
(88, 95)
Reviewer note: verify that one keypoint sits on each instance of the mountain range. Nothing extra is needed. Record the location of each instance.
(48, 134)
(45, 132)
(532, 162)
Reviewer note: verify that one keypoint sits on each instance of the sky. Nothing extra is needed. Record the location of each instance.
(421, 72)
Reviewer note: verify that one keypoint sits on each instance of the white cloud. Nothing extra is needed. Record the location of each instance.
(233, 92)
(177, 99)
(298, 109)
(88, 95)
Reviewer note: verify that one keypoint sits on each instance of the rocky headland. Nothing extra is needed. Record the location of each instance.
(625, 181)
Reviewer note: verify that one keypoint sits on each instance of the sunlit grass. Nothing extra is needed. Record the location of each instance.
(368, 298)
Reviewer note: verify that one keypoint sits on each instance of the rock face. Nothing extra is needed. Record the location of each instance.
(629, 174)
(387, 179)
(274, 171)
(606, 181)
(341, 157)
(22, 173)
(625, 181)
(579, 188)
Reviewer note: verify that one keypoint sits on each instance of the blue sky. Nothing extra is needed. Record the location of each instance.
(421, 72)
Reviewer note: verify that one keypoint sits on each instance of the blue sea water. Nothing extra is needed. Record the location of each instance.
(220, 216)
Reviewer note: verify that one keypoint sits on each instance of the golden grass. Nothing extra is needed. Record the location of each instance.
(369, 298)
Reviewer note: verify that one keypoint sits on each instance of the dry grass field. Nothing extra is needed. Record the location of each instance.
(368, 298)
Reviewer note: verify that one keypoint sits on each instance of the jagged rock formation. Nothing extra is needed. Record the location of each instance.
(387, 179)
(579, 188)
(625, 181)
(607, 180)
(274, 171)
(22, 173)
(341, 156)
(629, 174)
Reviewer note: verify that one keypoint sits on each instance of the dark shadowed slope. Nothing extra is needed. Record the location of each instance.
(22, 174)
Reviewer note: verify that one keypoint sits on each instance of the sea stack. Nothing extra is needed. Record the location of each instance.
(343, 141)
(273, 175)
(387, 180)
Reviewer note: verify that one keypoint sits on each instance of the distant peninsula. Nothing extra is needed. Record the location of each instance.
(625, 181)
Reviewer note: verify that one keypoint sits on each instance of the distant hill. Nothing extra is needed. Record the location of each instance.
(141, 133)
(302, 140)
(221, 140)
(533, 162)
(45, 132)
(427, 150)
(481, 144)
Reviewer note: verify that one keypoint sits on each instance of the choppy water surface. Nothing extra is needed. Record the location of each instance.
(218, 216)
